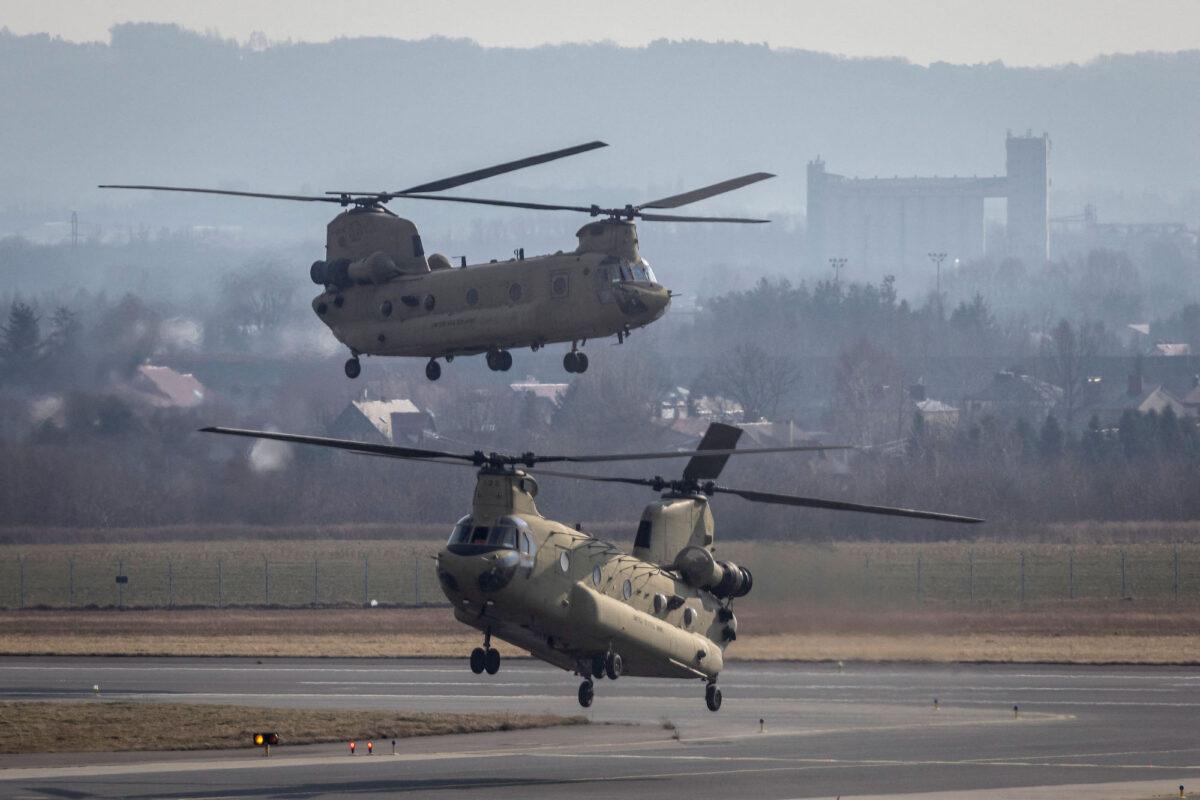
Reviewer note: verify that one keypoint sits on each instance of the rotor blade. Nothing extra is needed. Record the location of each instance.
(303, 197)
(749, 451)
(500, 169)
(506, 203)
(677, 200)
(366, 448)
(718, 436)
(675, 218)
(838, 505)
(597, 478)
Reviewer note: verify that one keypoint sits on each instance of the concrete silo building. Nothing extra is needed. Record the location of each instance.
(890, 225)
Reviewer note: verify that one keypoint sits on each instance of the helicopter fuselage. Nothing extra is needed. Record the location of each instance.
(382, 296)
(569, 598)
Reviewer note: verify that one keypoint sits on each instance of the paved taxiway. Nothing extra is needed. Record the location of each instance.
(864, 730)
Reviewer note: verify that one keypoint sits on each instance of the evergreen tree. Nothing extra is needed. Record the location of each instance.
(20, 342)
(1050, 440)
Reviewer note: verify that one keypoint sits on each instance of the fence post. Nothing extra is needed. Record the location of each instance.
(1123, 594)
(1071, 575)
(918, 576)
(220, 587)
(366, 581)
(866, 585)
(170, 584)
(120, 586)
(1175, 583)
(417, 579)
(316, 581)
(266, 582)
(1022, 576)
(21, 581)
(971, 574)
(70, 583)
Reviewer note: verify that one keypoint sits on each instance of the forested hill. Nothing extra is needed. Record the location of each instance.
(163, 104)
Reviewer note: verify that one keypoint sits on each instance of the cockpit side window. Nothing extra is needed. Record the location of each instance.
(462, 531)
(503, 536)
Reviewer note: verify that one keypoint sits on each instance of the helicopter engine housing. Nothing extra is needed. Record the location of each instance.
(723, 578)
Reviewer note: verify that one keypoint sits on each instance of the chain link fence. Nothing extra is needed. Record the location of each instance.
(316, 574)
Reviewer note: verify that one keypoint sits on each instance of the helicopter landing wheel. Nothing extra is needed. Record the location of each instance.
(478, 660)
(433, 370)
(499, 360)
(575, 362)
(613, 665)
(598, 667)
(712, 697)
(586, 694)
(491, 661)
(353, 368)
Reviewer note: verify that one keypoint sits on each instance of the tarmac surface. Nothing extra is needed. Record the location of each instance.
(861, 730)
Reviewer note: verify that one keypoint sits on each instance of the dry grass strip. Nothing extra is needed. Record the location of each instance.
(107, 726)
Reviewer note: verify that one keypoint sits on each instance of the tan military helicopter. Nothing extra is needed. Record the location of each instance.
(382, 296)
(665, 610)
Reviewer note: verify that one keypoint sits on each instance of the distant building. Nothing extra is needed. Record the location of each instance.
(544, 397)
(163, 387)
(383, 422)
(1011, 396)
(892, 224)
(1108, 402)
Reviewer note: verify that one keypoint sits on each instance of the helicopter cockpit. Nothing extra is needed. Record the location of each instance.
(508, 533)
(627, 271)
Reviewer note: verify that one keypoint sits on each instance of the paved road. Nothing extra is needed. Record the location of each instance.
(864, 730)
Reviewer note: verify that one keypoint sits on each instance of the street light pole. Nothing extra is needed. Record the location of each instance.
(837, 264)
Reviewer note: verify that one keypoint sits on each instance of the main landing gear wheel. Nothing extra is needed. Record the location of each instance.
(433, 370)
(575, 362)
(499, 360)
(712, 697)
(478, 660)
(586, 694)
(491, 661)
(613, 666)
(353, 368)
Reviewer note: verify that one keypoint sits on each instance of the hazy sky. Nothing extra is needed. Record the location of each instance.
(1019, 32)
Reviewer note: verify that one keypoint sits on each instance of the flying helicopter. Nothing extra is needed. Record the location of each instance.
(663, 610)
(382, 296)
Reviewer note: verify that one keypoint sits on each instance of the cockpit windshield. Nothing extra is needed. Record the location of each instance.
(502, 535)
(630, 271)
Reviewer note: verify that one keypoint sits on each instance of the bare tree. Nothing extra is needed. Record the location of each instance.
(1068, 351)
(756, 379)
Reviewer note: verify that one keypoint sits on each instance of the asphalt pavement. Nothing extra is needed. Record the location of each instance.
(825, 731)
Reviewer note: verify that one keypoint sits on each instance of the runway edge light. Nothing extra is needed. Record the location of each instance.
(265, 739)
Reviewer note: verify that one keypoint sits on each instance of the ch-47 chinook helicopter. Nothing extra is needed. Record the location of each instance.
(383, 297)
(664, 610)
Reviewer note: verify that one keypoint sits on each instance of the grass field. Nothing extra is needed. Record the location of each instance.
(1080, 633)
(352, 572)
(55, 727)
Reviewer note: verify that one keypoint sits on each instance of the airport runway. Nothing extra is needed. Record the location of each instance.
(863, 730)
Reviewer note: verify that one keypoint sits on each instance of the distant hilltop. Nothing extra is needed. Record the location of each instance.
(163, 104)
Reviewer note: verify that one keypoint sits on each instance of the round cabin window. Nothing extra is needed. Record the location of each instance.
(689, 616)
(559, 285)
(472, 296)
(627, 589)
(385, 308)
(514, 292)
(430, 301)
(564, 561)
(596, 576)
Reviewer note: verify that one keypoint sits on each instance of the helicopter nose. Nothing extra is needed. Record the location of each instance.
(647, 303)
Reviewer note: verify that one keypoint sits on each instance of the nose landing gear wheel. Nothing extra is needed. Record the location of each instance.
(433, 370)
(712, 697)
(491, 661)
(353, 368)
(586, 694)
(478, 659)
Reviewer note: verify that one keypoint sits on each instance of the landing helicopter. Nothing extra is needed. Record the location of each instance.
(382, 296)
(664, 610)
